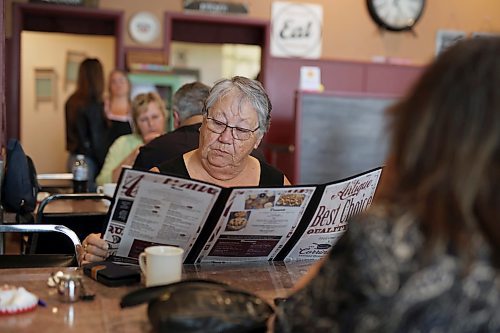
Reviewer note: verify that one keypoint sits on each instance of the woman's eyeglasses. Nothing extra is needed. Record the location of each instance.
(238, 133)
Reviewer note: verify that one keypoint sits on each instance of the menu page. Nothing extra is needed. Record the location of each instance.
(256, 223)
(155, 209)
(338, 203)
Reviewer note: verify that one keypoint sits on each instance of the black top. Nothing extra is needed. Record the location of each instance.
(168, 146)
(269, 176)
(71, 114)
(174, 144)
(117, 129)
(87, 130)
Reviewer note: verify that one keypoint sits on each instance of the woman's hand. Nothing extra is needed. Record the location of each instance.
(94, 248)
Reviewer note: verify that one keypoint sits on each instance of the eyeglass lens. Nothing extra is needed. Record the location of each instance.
(219, 127)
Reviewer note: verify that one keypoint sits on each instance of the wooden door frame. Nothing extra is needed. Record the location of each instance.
(48, 18)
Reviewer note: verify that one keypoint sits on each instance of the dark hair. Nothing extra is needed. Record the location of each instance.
(188, 101)
(445, 153)
(90, 83)
(251, 91)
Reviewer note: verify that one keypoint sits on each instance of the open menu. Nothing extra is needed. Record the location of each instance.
(215, 224)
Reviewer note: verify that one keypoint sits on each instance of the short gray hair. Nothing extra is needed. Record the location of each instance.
(250, 90)
(189, 100)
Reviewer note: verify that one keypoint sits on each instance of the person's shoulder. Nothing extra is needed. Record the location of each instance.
(385, 225)
(71, 98)
(269, 175)
(168, 138)
(189, 128)
(159, 141)
(71, 102)
(376, 217)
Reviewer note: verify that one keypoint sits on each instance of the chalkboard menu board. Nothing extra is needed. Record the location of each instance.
(338, 136)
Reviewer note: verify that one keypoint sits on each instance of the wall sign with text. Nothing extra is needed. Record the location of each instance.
(220, 7)
(296, 30)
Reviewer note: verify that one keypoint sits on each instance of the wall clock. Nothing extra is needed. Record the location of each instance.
(144, 27)
(396, 15)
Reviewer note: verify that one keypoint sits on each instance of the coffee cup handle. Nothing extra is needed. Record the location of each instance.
(142, 262)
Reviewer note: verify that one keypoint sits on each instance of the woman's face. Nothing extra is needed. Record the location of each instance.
(151, 122)
(118, 84)
(223, 149)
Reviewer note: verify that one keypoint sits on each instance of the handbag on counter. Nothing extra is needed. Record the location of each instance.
(201, 306)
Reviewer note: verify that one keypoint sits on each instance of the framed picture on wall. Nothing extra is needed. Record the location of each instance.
(45, 86)
(73, 61)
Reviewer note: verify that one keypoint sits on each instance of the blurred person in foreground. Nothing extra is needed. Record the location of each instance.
(237, 115)
(149, 115)
(425, 257)
(187, 109)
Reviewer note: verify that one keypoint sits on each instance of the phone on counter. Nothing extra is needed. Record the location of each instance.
(112, 274)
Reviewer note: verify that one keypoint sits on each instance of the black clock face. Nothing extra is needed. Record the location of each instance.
(396, 15)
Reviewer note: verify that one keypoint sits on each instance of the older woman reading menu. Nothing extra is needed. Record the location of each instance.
(237, 115)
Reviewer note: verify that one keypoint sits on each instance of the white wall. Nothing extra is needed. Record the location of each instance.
(43, 133)
(241, 60)
(216, 61)
(207, 58)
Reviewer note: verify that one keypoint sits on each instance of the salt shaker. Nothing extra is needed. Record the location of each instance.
(69, 288)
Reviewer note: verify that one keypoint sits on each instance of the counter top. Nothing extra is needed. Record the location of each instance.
(103, 314)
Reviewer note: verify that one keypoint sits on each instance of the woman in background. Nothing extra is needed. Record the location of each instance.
(425, 257)
(86, 123)
(117, 105)
(149, 114)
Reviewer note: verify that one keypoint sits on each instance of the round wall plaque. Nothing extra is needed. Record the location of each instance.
(144, 27)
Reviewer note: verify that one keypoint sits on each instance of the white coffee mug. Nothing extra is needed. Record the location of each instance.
(161, 264)
(107, 189)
